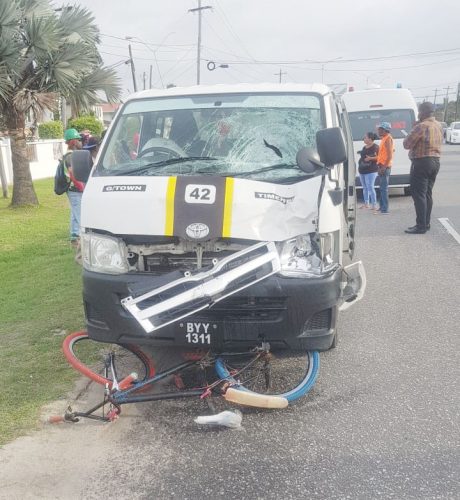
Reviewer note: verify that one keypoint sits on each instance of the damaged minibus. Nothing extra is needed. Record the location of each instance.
(221, 217)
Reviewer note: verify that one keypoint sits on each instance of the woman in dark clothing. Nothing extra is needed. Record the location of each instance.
(368, 170)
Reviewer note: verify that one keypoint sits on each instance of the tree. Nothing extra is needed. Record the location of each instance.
(87, 122)
(51, 130)
(43, 53)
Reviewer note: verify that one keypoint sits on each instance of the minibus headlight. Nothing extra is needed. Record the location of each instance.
(103, 254)
(309, 255)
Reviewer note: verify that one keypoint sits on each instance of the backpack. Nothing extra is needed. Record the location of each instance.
(61, 183)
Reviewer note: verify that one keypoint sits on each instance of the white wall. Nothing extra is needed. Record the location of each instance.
(48, 153)
(5, 153)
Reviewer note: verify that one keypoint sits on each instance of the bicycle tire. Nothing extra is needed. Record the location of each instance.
(128, 358)
(300, 387)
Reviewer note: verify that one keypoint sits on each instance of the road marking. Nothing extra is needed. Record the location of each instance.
(445, 222)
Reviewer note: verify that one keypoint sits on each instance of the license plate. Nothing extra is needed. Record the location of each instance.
(197, 332)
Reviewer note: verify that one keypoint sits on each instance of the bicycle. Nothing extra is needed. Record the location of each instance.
(258, 377)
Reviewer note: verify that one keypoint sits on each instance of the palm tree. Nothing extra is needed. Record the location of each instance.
(43, 54)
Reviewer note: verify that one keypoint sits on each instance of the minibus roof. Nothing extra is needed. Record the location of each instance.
(362, 100)
(242, 88)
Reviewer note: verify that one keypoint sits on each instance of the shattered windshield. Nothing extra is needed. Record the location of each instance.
(251, 136)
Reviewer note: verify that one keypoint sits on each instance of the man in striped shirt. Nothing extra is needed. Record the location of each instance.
(424, 144)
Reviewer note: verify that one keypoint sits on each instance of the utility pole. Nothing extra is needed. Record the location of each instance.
(63, 111)
(198, 47)
(280, 74)
(144, 79)
(434, 100)
(133, 71)
(446, 105)
(456, 101)
(150, 79)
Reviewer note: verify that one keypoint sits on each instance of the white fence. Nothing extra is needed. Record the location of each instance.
(43, 155)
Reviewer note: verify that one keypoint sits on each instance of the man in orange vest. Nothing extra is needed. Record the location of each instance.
(384, 163)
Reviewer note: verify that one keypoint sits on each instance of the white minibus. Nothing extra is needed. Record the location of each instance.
(367, 108)
(207, 191)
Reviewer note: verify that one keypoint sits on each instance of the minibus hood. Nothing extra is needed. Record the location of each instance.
(200, 208)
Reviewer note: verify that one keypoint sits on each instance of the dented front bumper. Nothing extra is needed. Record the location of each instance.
(238, 303)
(194, 292)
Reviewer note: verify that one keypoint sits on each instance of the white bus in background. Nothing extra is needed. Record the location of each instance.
(367, 108)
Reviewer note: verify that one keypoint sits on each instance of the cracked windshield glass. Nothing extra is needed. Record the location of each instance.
(249, 136)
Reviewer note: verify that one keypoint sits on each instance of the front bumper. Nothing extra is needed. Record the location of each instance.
(287, 312)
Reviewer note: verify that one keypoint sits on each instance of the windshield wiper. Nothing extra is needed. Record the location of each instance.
(158, 164)
(280, 166)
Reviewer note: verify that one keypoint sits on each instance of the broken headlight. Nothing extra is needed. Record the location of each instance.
(103, 254)
(309, 255)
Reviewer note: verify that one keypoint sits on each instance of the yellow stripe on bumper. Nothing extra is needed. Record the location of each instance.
(170, 194)
(228, 204)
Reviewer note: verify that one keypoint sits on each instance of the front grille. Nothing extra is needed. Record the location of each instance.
(246, 308)
(166, 262)
(238, 309)
(319, 321)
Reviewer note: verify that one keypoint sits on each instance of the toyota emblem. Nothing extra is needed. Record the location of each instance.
(197, 230)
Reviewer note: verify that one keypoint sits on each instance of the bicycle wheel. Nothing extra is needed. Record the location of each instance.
(286, 374)
(89, 358)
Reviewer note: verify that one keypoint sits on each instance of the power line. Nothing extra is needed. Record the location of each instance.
(146, 49)
(182, 59)
(246, 75)
(221, 13)
(433, 85)
(224, 18)
(289, 63)
(188, 68)
(400, 56)
(438, 94)
(119, 63)
(149, 43)
(239, 58)
(254, 73)
(139, 58)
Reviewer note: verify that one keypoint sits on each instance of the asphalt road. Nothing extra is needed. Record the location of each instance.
(383, 419)
(382, 422)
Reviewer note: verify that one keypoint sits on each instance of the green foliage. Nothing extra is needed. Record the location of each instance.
(51, 130)
(45, 51)
(87, 122)
(39, 302)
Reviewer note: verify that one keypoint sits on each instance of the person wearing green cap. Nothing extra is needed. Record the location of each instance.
(73, 140)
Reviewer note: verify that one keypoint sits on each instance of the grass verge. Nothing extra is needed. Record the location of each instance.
(40, 297)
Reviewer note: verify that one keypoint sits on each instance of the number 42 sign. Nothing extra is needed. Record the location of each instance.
(200, 193)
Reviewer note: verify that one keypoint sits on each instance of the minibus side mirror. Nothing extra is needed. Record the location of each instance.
(82, 164)
(308, 161)
(331, 146)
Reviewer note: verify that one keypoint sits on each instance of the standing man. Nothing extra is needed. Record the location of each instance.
(384, 162)
(73, 140)
(424, 143)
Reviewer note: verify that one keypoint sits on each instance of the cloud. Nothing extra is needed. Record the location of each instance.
(245, 31)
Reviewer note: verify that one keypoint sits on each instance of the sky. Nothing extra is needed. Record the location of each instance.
(361, 43)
